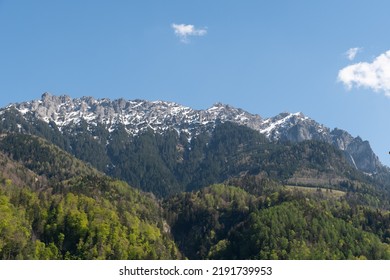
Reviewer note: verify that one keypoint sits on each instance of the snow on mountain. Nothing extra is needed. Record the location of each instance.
(293, 127)
(139, 115)
(135, 115)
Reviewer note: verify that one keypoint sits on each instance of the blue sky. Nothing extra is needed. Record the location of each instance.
(266, 57)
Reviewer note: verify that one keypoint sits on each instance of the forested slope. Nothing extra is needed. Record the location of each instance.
(60, 208)
(224, 222)
(276, 201)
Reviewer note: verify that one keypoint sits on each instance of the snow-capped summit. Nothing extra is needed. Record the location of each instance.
(137, 116)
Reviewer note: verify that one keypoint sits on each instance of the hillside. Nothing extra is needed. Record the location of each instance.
(71, 211)
(82, 214)
(224, 222)
(184, 164)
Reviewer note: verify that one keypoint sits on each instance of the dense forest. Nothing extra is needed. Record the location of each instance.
(77, 214)
(224, 222)
(229, 194)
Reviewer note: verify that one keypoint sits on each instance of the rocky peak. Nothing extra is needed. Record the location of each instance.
(294, 128)
(136, 115)
(357, 151)
(297, 127)
(140, 115)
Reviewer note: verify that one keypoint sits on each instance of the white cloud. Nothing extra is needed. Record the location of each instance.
(374, 75)
(183, 31)
(352, 52)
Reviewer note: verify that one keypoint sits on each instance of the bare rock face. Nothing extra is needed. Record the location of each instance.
(297, 128)
(140, 115)
(294, 128)
(135, 115)
(362, 156)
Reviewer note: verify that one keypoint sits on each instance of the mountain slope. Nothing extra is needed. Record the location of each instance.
(297, 128)
(280, 198)
(56, 207)
(138, 116)
(225, 222)
(165, 148)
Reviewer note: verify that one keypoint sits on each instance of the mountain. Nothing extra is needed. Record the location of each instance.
(137, 116)
(100, 179)
(56, 207)
(297, 128)
(141, 142)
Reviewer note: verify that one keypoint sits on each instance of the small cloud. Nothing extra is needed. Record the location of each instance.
(183, 31)
(352, 52)
(374, 75)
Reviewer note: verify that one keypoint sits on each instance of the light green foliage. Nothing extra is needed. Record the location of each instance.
(90, 218)
(14, 230)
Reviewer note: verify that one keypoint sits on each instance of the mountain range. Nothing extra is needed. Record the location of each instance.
(137, 116)
(89, 178)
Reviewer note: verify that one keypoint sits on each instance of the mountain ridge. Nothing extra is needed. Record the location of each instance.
(137, 116)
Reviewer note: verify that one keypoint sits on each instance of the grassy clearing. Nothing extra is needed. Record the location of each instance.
(312, 190)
